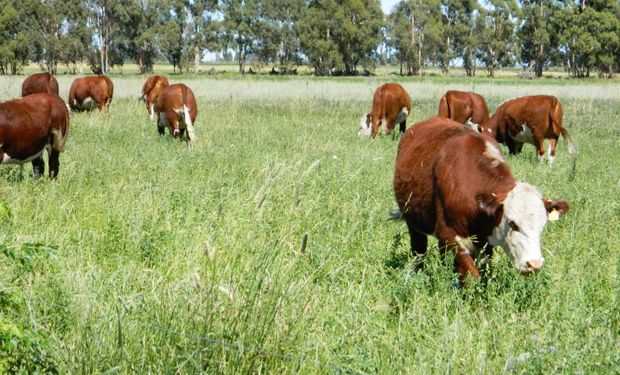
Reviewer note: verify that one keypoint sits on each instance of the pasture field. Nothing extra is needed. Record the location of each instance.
(266, 248)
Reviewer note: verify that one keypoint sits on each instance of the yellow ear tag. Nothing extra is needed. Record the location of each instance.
(554, 215)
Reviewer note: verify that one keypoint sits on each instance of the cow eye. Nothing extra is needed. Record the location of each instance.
(513, 225)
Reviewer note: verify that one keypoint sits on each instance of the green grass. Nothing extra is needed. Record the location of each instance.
(145, 256)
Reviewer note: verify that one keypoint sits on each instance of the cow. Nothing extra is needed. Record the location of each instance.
(465, 107)
(390, 105)
(454, 183)
(40, 82)
(86, 92)
(176, 108)
(529, 119)
(30, 125)
(151, 90)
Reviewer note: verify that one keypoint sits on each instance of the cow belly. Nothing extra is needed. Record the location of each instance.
(524, 136)
(7, 159)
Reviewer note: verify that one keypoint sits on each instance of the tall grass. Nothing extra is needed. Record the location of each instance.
(149, 257)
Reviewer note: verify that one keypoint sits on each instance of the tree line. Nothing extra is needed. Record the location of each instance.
(333, 37)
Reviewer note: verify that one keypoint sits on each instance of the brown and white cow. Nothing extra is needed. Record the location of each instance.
(86, 92)
(390, 105)
(529, 119)
(40, 83)
(465, 107)
(454, 183)
(151, 90)
(176, 108)
(30, 125)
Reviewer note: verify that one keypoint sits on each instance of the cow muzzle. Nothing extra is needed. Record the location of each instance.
(532, 266)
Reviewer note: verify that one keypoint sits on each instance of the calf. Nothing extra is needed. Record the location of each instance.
(529, 119)
(390, 105)
(454, 183)
(151, 90)
(465, 107)
(88, 90)
(176, 107)
(40, 83)
(28, 126)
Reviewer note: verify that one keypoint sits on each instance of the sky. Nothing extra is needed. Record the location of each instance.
(387, 5)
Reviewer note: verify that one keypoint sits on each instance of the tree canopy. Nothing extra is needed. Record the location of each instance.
(345, 37)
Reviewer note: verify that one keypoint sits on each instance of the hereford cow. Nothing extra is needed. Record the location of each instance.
(86, 92)
(150, 91)
(390, 105)
(454, 183)
(40, 82)
(465, 107)
(176, 107)
(28, 126)
(529, 119)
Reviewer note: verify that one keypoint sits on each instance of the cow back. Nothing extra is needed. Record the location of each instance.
(40, 83)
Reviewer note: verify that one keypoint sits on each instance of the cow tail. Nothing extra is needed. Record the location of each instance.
(556, 122)
(444, 109)
(188, 119)
(59, 139)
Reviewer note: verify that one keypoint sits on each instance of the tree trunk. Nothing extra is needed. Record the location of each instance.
(196, 57)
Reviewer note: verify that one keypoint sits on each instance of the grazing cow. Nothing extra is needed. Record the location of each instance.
(529, 119)
(28, 126)
(40, 82)
(86, 92)
(390, 105)
(151, 90)
(465, 107)
(176, 107)
(454, 183)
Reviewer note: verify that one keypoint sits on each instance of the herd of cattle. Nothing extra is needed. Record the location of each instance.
(451, 179)
(39, 120)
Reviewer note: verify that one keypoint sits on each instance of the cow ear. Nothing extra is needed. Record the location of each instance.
(488, 204)
(555, 208)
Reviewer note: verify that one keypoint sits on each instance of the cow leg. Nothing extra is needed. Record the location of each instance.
(540, 149)
(54, 163)
(403, 127)
(38, 167)
(375, 128)
(161, 127)
(419, 241)
(553, 142)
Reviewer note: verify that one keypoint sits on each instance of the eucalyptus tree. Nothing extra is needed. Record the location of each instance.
(341, 34)
(202, 30)
(496, 31)
(105, 20)
(240, 24)
(15, 36)
(413, 31)
(537, 34)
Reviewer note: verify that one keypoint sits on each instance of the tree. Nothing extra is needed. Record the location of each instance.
(412, 32)
(203, 29)
(105, 19)
(15, 37)
(277, 37)
(536, 33)
(341, 34)
(590, 40)
(458, 18)
(240, 23)
(496, 31)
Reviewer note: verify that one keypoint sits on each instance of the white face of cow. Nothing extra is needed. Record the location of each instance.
(365, 127)
(522, 223)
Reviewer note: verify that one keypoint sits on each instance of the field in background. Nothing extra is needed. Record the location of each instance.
(266, 247)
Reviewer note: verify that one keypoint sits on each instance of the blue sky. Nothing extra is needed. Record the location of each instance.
(387, 5)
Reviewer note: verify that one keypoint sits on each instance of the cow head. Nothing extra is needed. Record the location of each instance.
(524, 215)
(365, 125)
